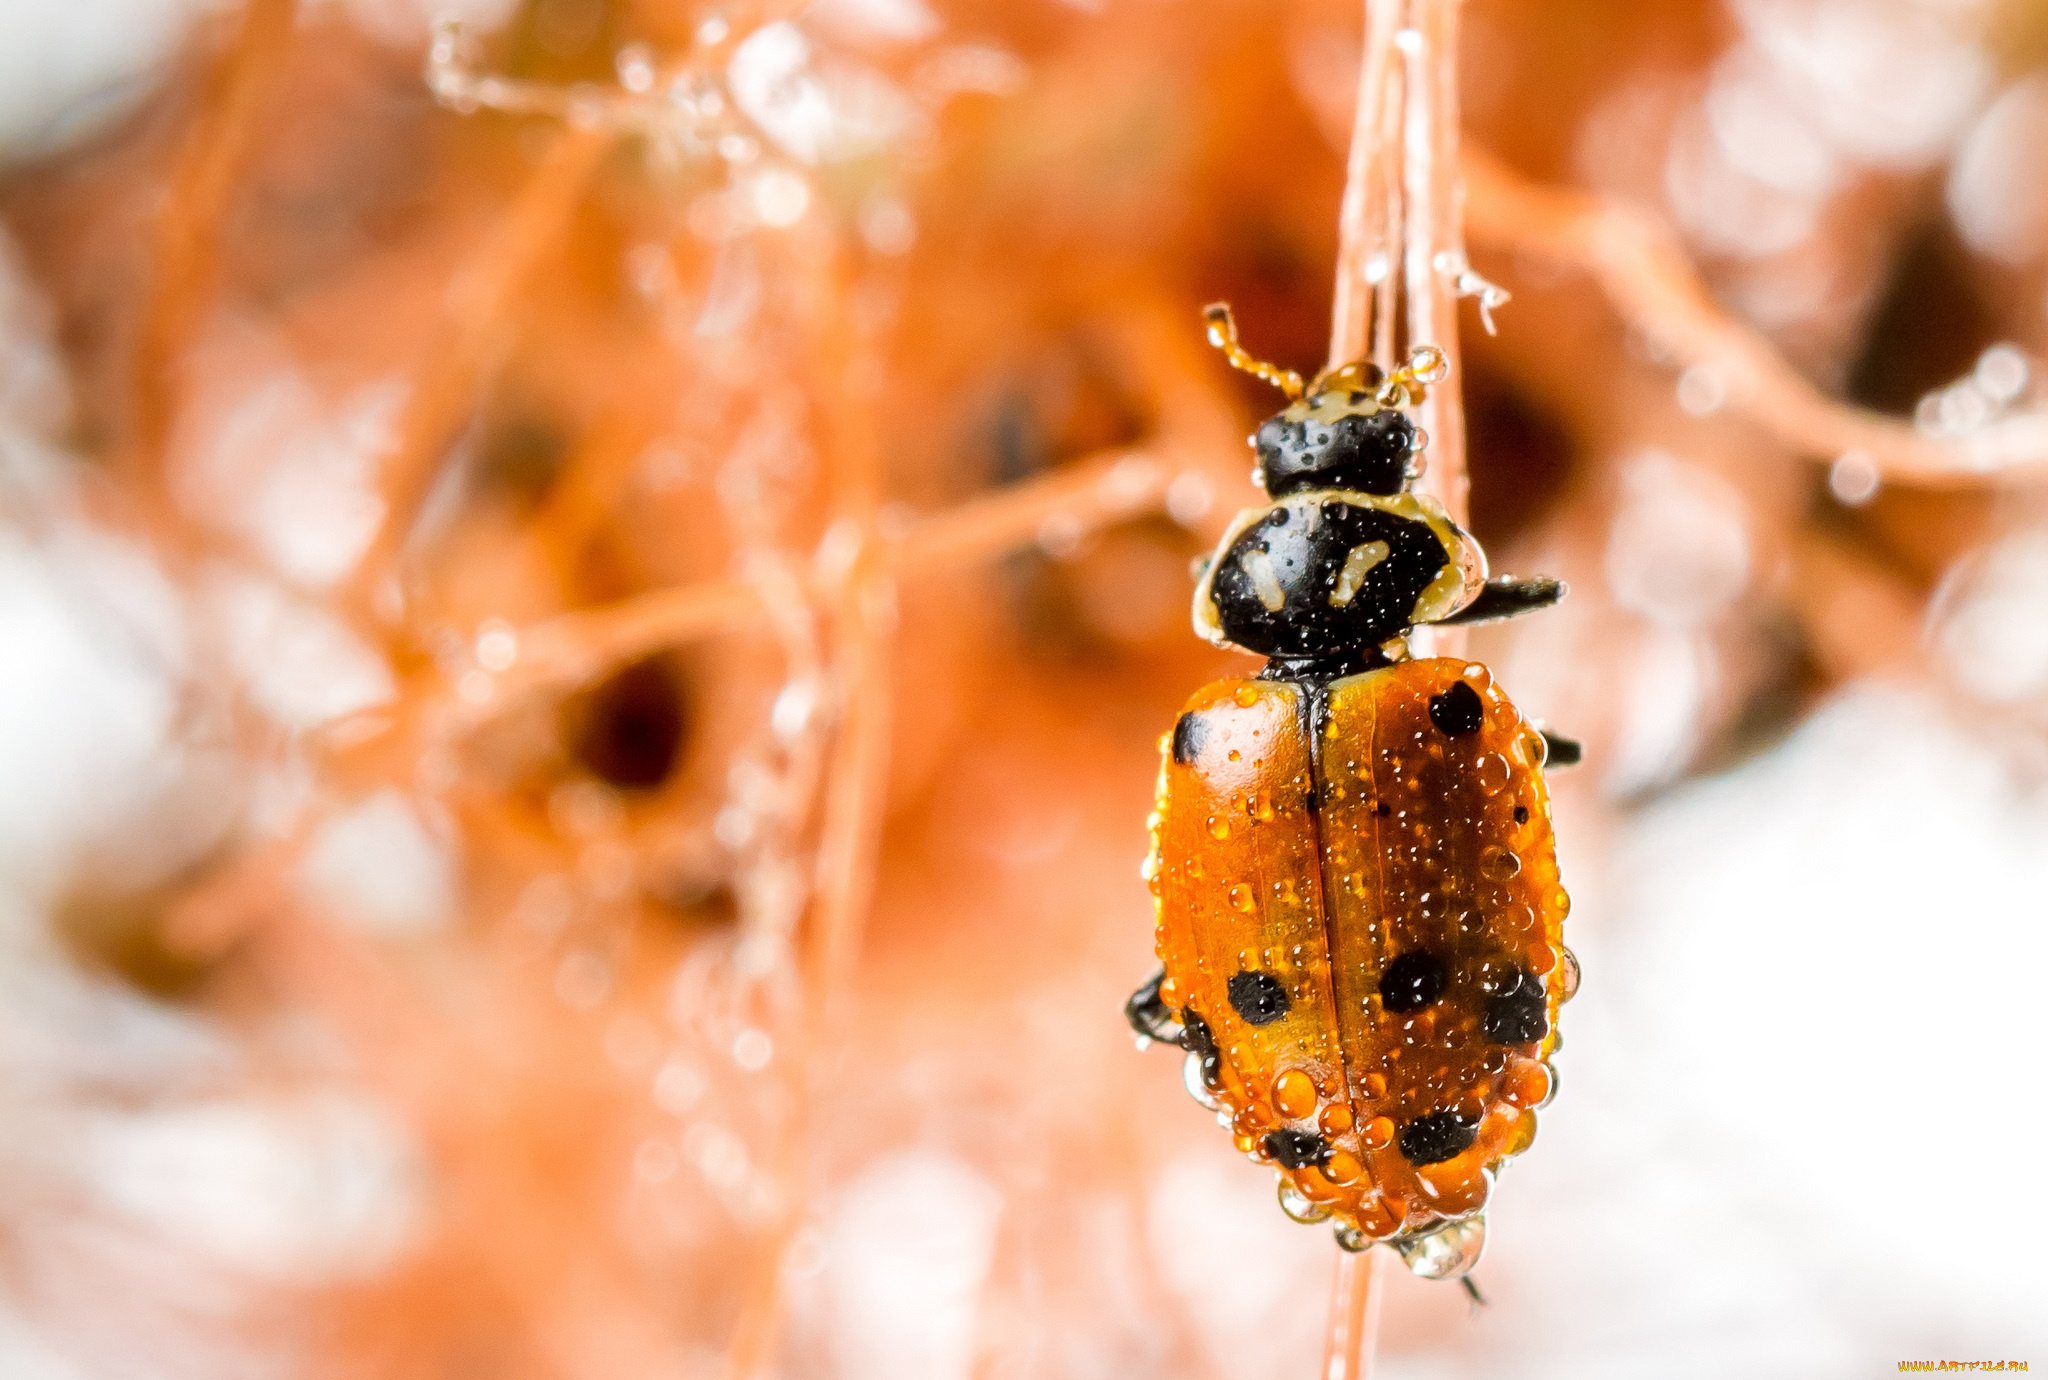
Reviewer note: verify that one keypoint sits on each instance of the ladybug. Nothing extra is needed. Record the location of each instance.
(1358, 905)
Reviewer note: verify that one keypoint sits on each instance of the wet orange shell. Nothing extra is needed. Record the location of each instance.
(1317, 839)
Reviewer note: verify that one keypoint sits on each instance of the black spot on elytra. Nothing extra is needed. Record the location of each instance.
(1190, 731)
(1458, 710)
(1411, 982)
(1258, 997)
(1516, 1014)
(1196, 1039)
(1437, 1137)
(1521, 814)
(1297, 1149)
(1383, 809)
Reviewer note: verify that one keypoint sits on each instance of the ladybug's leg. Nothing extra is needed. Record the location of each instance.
(1562, 751)
(1149, 1015)
(1472, 1291)
(1508, 597)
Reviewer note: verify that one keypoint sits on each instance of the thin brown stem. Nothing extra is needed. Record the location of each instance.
(1353, 1338)
(1399, 238)
(187, 250)
(444, 388)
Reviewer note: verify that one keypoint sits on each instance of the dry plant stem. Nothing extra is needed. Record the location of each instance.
(1400, 221)
(1645, 272)
(1432, 237)
(1400, 207)
(445, 384)
(1354, 1317)
(1364, 288)
(188, 226)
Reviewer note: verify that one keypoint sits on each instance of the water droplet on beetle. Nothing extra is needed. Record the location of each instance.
(1298, 1206)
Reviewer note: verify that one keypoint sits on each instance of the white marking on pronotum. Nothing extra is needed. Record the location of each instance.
(1265, 580)
(1357, 566)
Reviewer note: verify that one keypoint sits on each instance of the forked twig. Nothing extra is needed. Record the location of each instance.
(1646, 273)
(574, 648)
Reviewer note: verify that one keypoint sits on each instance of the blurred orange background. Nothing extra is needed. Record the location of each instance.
(588, 590)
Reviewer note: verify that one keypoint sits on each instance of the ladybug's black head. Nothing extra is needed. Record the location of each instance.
(1342, 431)
(1339, 438)
(1344, 559)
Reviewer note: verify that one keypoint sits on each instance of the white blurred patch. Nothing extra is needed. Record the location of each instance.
(306, 1194)
(814, 110)
(86, 701)
(1763, 130)
(26, 1356)
(1664, 692)
(380, 866)
(907, 1253)
(301, 665)
(1890, 84)
(1796, 1118)
(1990, 620)
(286, 468)
(901, 21)
(1238, 1268)
(1997, 193)
(69, 66)
(1725, 208)
(1847, 932)
(1678, 552)
(1813, 92)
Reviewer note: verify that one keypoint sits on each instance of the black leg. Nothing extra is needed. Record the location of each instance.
(1149, 1016)
(1562, 751)
(1508, 597)
(1472, 1291)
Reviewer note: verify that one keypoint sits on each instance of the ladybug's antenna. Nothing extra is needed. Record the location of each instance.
(1223, 335)
(1405, 387)
(1410, 383)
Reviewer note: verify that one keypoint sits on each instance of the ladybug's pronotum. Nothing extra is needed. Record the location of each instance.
(1358, 903)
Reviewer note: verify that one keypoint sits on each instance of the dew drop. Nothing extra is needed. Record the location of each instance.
(1298, 1206)
(1499, 863)
(1527, 1083)
(1449, 1252)
(1294, 1095)
(1343, 1168)
(1241, 897)
(1490, 773)
(1219, 827)
(1567, 974)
